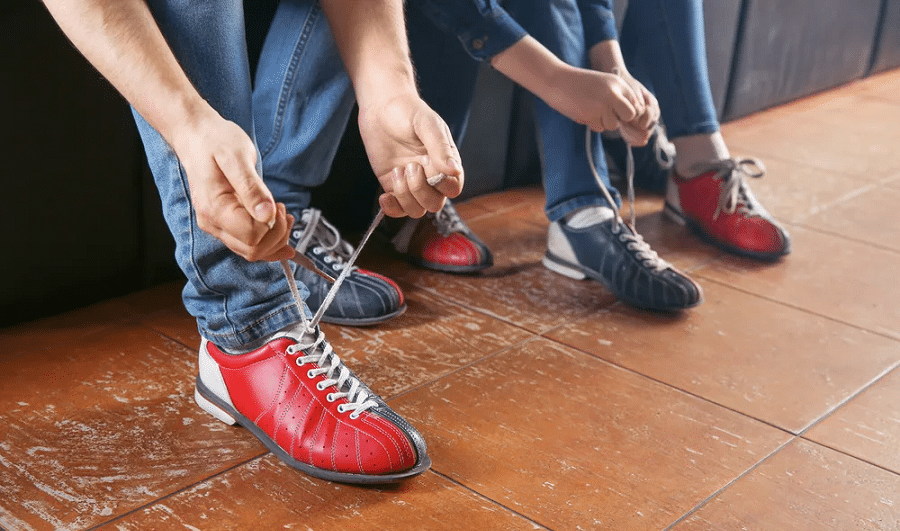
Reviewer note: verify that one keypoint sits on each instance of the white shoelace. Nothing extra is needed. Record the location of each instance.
(627, 233)
(337, 374)
(328, 362)
(447, 221)
(735, 195)
(325, 238)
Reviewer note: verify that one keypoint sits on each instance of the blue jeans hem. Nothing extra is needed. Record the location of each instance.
(283, 315)
(568, 206)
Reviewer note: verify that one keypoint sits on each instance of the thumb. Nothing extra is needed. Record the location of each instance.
(443, 156)
(249, 188)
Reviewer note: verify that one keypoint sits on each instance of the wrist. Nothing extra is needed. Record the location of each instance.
(384, 83)
(191, 117)
(606, 56)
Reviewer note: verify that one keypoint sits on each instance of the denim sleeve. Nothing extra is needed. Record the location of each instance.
(482, 26)
(599, 21)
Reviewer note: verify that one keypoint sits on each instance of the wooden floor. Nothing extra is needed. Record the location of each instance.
(546, 404)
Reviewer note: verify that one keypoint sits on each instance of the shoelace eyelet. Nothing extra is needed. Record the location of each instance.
(330, 397)
(320, 387)
(341, 408)
(309, 374)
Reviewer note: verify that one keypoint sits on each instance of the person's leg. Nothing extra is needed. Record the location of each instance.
(446, 74)
(302, 99)
(664, 46)
(569, 183)
(292, 392)
(586, 239)
(663, 42)
(235, 302)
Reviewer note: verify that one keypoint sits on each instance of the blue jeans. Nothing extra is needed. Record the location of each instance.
(664, 47)
(295, 112)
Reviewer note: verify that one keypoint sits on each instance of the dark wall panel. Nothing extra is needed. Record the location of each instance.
(888, 46)
(70, 221)
(791, 48)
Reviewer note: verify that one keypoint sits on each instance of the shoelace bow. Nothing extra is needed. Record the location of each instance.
(628, 233)
(735, 195)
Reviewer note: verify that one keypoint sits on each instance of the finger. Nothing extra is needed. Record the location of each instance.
(404, 196)
(426, 195)
(634, 136)
(230, 216)
(624, 105)
(276, 238)
(390, 206)
(652, 105)
(442, 152)
(254, 196)
(644, 121)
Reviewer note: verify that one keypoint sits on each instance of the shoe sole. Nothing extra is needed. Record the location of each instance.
(679, 218)
(363, 321)
(578, 272)
(217, 407)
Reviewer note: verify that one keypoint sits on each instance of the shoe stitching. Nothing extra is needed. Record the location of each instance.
(401, 450)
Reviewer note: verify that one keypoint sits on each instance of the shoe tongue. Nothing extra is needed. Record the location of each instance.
(298, 333)
(589, 216)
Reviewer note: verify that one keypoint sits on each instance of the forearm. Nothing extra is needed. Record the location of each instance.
(531, 65)
(122, 40)
(371, 38)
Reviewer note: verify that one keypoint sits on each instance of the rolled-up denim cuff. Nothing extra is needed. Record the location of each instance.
(284, 313)
(489, 36)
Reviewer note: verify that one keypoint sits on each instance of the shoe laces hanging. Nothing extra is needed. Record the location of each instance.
(447, 220)
(313, 341)
(627, 233)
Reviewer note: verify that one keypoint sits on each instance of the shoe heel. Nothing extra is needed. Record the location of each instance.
(563, 270)
(674, 215)
(213, 409)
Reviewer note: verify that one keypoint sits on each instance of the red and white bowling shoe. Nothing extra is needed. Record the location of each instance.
(719, 206)
(299, 399)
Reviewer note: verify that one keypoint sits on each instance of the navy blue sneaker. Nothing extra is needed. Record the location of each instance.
(365, 298)
(612, 253)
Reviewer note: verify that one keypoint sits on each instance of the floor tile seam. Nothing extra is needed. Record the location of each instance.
(432, 381)
(466, 306)
(814, 228)
(481, 311)
(865, 387)
(798, 308)
(849, 454)
(692, 394)
(725, 487)
(174, 493)
(487, 498)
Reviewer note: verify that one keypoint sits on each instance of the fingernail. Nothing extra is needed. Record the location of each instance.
(264, 211)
